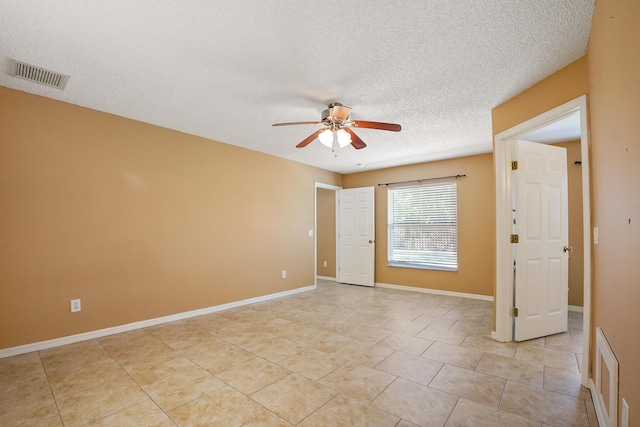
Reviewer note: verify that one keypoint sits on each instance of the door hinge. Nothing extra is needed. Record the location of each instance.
(514, 311)
(514, 165)
(514, 238)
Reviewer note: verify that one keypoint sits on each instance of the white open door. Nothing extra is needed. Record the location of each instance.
(541, 224)
(356, 237)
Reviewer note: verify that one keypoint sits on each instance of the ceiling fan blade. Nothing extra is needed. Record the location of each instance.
(297, 123)
(377, 125)
(355, 140)
(309, 139)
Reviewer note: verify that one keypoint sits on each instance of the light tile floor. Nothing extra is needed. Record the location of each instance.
(339, 355)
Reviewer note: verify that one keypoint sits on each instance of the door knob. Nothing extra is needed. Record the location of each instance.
(567, 249)
(370, 241)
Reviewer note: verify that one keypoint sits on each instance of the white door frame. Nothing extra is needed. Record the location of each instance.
(335, 188)
(504, 251)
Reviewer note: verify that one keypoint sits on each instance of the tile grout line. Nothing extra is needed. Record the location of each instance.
(452, 410)
(136, 382)
(53, 396)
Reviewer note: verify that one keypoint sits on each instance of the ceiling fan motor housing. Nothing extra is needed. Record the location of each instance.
(336, 113)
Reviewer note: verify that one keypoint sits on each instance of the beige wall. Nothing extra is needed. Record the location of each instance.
(560, 87)
(614, 76)
(576, 240)
(476, 224)
(138, 221)
(326, 230)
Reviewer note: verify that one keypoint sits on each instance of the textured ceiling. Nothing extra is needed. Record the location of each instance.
(228, 70)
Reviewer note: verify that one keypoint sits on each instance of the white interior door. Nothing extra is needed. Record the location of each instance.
(541, 223)
(356, 236)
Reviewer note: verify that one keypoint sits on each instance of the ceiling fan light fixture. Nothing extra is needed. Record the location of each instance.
(326, 138)
(344, 138)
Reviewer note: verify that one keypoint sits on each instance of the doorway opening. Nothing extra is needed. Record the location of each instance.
(504, 201)
(353, 247)
(326, 232)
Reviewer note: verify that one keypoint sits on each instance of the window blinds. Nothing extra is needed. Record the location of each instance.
(423, 226)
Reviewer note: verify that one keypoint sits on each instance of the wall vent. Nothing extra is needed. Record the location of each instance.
(604, 391)
(38, 75)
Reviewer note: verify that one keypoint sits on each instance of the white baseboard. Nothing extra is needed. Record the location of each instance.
(576, 308)
(435, 291)
(495, 337)
(332, 279)
(43, 345)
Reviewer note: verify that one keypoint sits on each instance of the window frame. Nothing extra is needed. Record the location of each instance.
(442, 223)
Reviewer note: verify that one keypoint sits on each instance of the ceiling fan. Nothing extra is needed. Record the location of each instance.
(338, 128)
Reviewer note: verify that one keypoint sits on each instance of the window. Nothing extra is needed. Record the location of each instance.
(423, 226)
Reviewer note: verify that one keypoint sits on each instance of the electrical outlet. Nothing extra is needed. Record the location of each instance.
(625, 414)
(596, 236)
(324, 263)
(310, 233)
(75, 305)
(284, 274)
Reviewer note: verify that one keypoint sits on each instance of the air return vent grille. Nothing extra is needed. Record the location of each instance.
(39, 75)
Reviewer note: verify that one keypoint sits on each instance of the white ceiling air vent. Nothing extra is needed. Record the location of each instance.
(39, 75)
